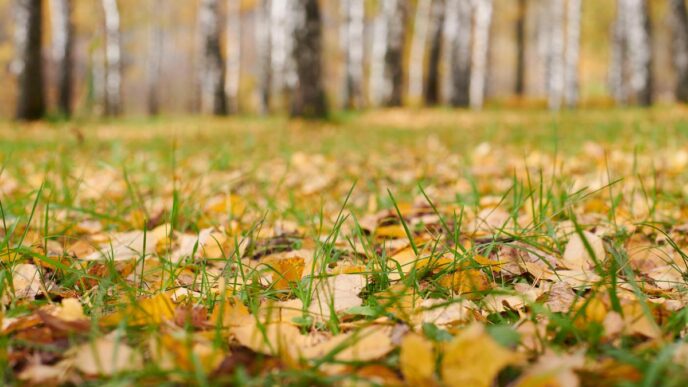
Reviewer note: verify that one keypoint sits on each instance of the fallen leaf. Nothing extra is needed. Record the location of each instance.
(336, 294)
(577, 257)
(106, 356)
(473, 358)
(417, 360)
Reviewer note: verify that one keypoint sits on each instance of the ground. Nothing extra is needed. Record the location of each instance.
(403, 246)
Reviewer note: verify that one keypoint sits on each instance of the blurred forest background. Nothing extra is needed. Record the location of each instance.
(308, 57)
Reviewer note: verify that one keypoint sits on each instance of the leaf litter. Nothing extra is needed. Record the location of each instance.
(516, 282)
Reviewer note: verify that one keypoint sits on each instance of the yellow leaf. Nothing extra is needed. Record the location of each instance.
(230, 313)
(392, 231)
(577, 257)
(473, 358)
(466, 282)
(285, 271)
(147, 311)
(417, 360)
(106, 356)
(70, 310)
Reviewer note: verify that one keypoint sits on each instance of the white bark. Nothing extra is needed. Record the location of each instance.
(417, 57)
(113, 58)
(155, 52)
(233, 54)
(352, 43)
(282, 44)
(263, 51)
(571, 59)
(377, 66)
(62, 33)
(211, 71)
(458, 30)
(618, 55)
(555, 76)
(481, 42)
(640, 56)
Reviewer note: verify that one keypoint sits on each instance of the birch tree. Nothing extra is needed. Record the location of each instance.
(352, 43)
(28, 64)
(308, 99)
(263, 51)
(432, 84)
(211, 70)
(113, 59)
(481, 42)
(155, 52)
(283, 70)
(457, 34)
(519, 86)
(572, 54)
(62, 52)
(233, 52)
(418, 42)
(679, 29)
(555, 54)
(563, 53)
(386, 80)
(630, 74)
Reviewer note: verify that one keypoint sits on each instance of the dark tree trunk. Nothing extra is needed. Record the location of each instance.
(519, 87)
(394, 67)
(31, 102)
(212, 69)
(432, 87)
(63, 38)
(679, 27)
(308, 99)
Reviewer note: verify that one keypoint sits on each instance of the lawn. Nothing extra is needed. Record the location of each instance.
(426, 247)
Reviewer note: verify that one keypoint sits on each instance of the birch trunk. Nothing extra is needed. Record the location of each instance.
(519, 87)
(631, 66)
(62, 52)
(263, 52)
(479, 55)
(308, 99)
(352, 42)
(113, 59)
(555, 76)
(458, 31)
(28, 64)
(233, 52)
(377, 66)
(211, 70)
(388, 46)
(432, 86)
(640, 57)
(155, 50)
(679, 29)
(571, 58)
(417, 58)
(282, 46)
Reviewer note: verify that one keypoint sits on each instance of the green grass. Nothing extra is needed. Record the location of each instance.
(616, 172)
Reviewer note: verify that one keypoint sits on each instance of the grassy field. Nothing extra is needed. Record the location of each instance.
(426, 247)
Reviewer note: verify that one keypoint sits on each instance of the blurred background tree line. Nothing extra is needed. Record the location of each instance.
(308, 57)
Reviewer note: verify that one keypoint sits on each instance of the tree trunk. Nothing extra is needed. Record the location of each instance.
(555, 76)
(308, 99)
(519, 87)
(212, 76)
(263, 51)
(113, 59)
(631, 66)
(282, 44)
(63, 37)
(432, 86)
(233, 47)
(457, 32)
(481, 46)
(388, 49)
(155, 50)
(679, 29)
(29, 64)
(417, 58)
(571, 58)
(352, 42)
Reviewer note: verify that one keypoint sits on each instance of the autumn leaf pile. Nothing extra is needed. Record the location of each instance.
(409, 263)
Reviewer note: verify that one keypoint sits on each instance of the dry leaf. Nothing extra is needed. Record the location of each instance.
(147, 311)
(577, 257)
(106, 356)
(417, 360)
(336, 294)
(473, 358)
